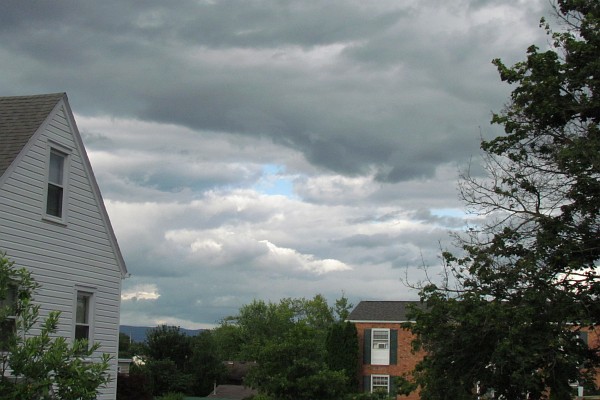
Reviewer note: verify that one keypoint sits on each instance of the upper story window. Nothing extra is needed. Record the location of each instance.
(56, 173)
(380, 351)
(56, 184)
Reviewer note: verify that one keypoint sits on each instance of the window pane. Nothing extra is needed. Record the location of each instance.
(380, 339)
(82, 332)
(380, 380)
(54, 203)
(82, 309)
(380, 335)
(57, 162)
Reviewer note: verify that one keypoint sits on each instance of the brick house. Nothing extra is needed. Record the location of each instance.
(384, 346)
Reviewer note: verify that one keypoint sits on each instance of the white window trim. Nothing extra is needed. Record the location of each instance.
(373, 387)
(91, 293)
(55, 147)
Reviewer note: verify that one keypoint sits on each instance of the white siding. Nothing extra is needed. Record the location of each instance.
(62, 257)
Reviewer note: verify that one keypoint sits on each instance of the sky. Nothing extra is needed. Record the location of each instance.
(267, 149)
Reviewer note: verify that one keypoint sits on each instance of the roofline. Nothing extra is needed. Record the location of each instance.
(95, 187)
(8, 171)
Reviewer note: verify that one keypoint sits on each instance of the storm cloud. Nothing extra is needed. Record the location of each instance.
(269, 149)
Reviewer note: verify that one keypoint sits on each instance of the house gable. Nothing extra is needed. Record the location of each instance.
(27, 124)
(74, 256)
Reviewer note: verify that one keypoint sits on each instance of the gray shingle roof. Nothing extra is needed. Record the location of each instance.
(389, 311)
(20, 118)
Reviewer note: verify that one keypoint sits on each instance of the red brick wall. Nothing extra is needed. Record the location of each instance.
(594, 343)
(406, 359)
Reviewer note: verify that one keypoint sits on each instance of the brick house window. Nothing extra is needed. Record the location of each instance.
(381, 338)
(380, 383)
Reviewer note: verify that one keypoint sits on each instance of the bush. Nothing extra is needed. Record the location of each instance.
(135, 386)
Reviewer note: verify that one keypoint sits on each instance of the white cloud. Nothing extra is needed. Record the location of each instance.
(141, 292)
(282, 258)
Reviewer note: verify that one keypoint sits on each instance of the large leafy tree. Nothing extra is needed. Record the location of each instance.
(508, 315)
(342, 350)
(290, 340)
(294, 368)
(180, 363)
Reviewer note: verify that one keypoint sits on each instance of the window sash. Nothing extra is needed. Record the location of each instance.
(55, 189)
(57, 166)
(380, 382)
(83, 316)
(380, 339)
(54, 203)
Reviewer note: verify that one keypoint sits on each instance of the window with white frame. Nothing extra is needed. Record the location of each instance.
(8, 325)
(381, 338)
(84, 316)
(55, 191)
(380, 383)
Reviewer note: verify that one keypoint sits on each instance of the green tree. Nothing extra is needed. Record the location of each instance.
(260, 322)
(342, 308)
(342, 351)
(205, 363)
(506, 318)
(169, 351)
(169, 343)
(124, 345)
(228, 340)
(288, 340)
(294, 368)
(41, 365)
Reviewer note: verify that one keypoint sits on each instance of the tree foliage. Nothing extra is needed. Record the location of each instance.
(178, 363)
(507, 316)
(42, 365)
(294, 368)
(342, 350)
(289, 341)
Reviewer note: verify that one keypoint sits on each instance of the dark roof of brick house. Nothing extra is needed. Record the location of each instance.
(20, 118)
(382, 311)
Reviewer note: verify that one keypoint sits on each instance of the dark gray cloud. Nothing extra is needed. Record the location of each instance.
(353, 87)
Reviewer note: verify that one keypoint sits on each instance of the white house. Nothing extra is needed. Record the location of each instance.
(53, 221)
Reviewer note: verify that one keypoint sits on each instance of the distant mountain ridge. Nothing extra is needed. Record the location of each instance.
(138, 333)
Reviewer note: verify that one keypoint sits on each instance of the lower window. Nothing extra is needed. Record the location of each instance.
(83, 316)
(380, 383)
